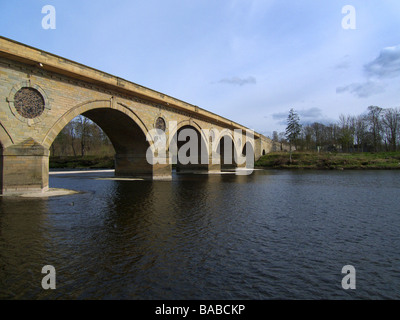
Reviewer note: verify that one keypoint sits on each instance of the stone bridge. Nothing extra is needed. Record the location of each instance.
(40, 93)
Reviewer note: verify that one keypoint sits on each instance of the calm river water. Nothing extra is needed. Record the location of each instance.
(271, 235)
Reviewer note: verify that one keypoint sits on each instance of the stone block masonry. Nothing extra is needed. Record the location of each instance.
(40, 93)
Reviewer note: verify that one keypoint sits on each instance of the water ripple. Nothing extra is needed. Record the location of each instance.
(272, 235)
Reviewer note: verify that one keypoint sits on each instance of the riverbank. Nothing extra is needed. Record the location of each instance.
(330, 161)
(86, 162)
(275, 160)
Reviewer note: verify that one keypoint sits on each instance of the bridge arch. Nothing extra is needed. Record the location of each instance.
(87, 108)
(189, 123)
(5, 138)
(5, 141)
(248, 152)
(201, 156)
(1, 167)
(224, 132)
(123, 127)
(226, 149)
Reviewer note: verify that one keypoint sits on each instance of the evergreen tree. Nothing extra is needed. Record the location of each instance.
(293, 129)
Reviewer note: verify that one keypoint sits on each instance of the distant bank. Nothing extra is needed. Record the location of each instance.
(89, 162)
(327, 161)
(275, 160)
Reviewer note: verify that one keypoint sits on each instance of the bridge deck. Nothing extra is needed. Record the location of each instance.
(13, 50)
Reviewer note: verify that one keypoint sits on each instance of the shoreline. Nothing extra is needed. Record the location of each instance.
(330, 161)
(297, 168)
(274, 160)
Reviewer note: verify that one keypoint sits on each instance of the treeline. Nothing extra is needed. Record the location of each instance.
(376, 130)
(82, 137)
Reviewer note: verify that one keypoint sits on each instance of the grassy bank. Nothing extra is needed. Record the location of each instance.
(91, 162)
(340, 161)
(276, 160)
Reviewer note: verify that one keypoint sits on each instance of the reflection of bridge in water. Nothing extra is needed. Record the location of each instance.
(41, 93)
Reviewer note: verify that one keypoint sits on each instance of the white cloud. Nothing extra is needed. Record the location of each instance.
(386, 65)
(310, 113)
(307, 116)
(362, 90)
(239, 81)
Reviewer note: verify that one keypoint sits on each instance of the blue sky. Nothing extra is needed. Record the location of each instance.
(248, 60)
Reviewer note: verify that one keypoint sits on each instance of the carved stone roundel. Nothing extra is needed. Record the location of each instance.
(29, 103)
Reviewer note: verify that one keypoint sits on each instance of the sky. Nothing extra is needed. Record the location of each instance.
(250, 61)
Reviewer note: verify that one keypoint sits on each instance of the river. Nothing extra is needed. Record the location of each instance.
(270, 235)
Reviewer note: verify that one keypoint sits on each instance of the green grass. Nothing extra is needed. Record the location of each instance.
(71, 162)
(314, 160)
(275, 160)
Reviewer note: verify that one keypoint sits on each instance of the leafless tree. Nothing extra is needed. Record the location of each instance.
(391, 122)
(375, 122)
(83, 129)
(346, 124)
